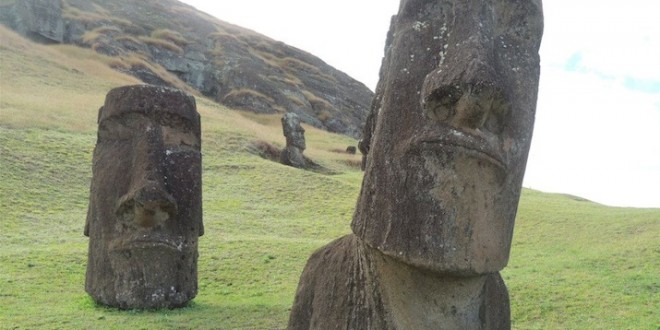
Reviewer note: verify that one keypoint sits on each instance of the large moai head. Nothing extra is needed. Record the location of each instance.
(145, 210)
(454, 113)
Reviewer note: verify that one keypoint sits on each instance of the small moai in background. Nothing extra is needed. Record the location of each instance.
(292, 154)
(445, 148)
(145, 205)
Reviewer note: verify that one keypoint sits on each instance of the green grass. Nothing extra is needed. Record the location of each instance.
(583, 265)
(574, 264)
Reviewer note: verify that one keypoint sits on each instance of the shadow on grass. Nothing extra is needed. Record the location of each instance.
(270, 152)
(195, 315)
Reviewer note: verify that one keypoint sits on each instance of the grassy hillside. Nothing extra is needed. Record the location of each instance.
(167, 42)
(574, 264)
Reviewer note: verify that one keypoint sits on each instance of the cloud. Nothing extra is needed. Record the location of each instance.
(611, 37)
(573, 62)
(596, 138)
(597, 130)
(651, 86)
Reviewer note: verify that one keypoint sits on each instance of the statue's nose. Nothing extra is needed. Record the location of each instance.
(463, 106)
(464, 90)
(147, 204)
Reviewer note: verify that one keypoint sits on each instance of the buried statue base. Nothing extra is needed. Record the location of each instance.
(145, 210)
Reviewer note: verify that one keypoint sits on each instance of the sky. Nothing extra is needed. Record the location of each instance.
(597, 131)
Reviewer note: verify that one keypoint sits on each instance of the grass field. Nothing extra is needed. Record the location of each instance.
(574, 264)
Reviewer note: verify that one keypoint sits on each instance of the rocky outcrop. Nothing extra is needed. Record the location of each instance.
(40, 20)
(169, 43)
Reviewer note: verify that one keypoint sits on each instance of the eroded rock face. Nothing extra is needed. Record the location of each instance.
(145, 210)
(229, 64)
(350, 285)
(40, 19)
(292, 154)
(445, 147)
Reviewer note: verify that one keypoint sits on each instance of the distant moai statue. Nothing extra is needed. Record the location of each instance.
(292, 154)
(445, 147)
(145, 206)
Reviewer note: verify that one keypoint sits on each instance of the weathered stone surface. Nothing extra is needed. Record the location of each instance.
(232, 65)
(451, 134)
(292, 154)
(349, 285)
(145, 209)
(40, 19)
(294, 133)
(445, 148)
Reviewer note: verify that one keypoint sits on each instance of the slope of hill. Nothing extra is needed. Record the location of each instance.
(574, 264)
(166, 42)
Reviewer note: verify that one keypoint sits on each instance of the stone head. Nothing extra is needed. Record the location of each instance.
(294, 133)
(455, 109)
(145, 210)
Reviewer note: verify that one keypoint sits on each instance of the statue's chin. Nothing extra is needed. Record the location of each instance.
(472, 235)
(154, 275)
(457, 218)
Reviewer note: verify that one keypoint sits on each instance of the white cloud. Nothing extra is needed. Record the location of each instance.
(597, 131)
(615, 38)
(597, 139)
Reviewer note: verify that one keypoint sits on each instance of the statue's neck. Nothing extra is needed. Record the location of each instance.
(419, 299)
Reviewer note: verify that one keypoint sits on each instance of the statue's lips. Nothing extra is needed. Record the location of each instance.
(149, 241)
(477, 146)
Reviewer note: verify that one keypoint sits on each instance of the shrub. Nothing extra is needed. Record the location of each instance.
(356, 163)
(169, 35)
(265, 150)
(324, 116)
(91, 36)
(160, 43)
(316, 102)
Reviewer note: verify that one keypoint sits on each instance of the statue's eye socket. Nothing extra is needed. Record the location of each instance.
(112, 130)
(175, 139)
(121, 128)
(498, 116)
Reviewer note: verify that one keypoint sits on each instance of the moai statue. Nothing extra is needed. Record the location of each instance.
(292, 154)
(447, 144)
(145, 208)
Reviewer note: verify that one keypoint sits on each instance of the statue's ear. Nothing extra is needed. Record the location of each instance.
(98, 116)
(87, 220)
